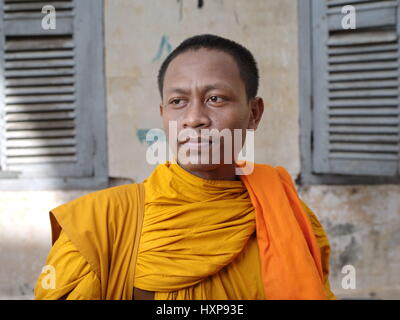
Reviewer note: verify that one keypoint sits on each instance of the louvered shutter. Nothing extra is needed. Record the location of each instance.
(356, 88)
(52, 95)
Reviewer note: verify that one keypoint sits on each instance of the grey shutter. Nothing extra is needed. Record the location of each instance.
(52, 99)
(356, 88)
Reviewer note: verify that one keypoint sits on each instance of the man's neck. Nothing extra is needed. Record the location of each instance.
(223, 172)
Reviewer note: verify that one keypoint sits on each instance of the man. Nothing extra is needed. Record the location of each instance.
(194, 229)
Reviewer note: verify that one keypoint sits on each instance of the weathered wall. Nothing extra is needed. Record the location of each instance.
(363, 222)
(267, 28)
(25, 238)
(363, 225)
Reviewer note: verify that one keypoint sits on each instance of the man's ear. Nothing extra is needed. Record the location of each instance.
(256, 112)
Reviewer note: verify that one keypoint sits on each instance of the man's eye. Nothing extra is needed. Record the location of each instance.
(176, 101)
(215, 99)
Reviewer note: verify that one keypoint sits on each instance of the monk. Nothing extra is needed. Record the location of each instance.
(194, 230)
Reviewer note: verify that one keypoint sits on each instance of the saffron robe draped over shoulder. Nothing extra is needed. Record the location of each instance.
(101, 228)
(186, 238)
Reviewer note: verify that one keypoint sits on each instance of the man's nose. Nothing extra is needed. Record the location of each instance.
(196, 115)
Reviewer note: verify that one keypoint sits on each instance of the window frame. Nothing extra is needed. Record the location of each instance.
(94, 122)
(307, 176)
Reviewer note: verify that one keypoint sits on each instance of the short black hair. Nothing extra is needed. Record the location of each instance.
(243, 57)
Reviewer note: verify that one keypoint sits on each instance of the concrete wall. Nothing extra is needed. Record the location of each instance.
(25, 238)
(267, 28)
(363, 222)
(363, 226)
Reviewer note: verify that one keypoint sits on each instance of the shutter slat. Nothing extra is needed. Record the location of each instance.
(35, 16)
(42, 81)
(40, 125)
(360, 5)
(39, 107)
(341, 3)
(363, 84)
(48, 63)
(40, 134)
(35, 6)
(370, 75)
(40, 98)
(386, 121)
(39, 116)
(363, 66)
(26, 55)
(39, 90)
(29, 143)
(39, 72)
(363, 111)
(364, 103)
(11, 152)
(361, 156)
(366, 147)
(363, 138)
(363, 57)
(42, 159)
(362, 129)
(353, 49)
(39, 43)
(365, 38)
(363, 93)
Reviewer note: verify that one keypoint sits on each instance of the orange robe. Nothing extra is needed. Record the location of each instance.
(177, 234)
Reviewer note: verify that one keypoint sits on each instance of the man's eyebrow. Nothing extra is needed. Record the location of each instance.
(178, 90)
(205, 88)
(217, 86)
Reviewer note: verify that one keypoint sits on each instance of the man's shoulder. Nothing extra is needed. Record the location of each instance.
(99, 212)
(117, 195)
(104, 206)
(100, 224)
(111, 192)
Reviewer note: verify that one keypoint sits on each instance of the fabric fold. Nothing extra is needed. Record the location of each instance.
(192, 228)
(289, 254)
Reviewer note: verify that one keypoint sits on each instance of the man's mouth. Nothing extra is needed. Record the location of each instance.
(196, 142)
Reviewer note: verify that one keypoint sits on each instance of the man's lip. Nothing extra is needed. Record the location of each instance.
(197, 143)
(196, 140)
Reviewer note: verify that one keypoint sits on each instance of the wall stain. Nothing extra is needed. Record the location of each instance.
(180, 2)
(341, 229)
(200, 4)
(349, 255)
(164, 46)
(141, 134)
(153, 137)
(236, 17)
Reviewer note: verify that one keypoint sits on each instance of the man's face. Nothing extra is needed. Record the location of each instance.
(203, 90)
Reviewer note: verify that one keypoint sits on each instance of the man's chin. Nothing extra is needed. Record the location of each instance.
(199, 166)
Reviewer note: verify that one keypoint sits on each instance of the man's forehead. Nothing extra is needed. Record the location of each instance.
(202, 59)
(205, 68)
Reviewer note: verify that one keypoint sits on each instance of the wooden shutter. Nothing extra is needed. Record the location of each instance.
(52, 93)
(356, 88)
